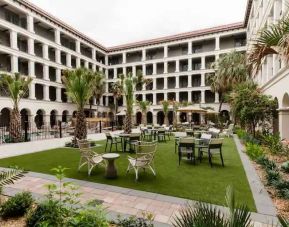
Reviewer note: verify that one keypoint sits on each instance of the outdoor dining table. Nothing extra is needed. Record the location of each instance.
(124, 137)
(111, 171)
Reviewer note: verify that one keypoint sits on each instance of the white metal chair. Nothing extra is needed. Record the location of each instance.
(144, 158)
(229, 131)
(88, 157)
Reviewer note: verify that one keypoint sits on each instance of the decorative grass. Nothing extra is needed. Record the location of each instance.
(197, 182)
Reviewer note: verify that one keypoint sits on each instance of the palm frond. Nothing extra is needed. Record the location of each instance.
(10, 176)
(284, 222)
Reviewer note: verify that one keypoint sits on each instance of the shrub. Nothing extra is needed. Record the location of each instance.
(89, 217)
(48, 213)
(274, 144)
(285, 167)
(133, 221)
(254, 150)
(272, 176)
(17, 206)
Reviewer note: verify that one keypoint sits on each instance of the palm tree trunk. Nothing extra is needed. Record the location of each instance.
(80, 127)
(15, 126)
(144, 118)
(127, 123)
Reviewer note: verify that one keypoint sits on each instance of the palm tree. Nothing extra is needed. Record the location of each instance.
(116, 90)
(16, 87)
(176, 106)
(166, 105)
(273, 39)
(128, 84)
(143, 105)
(99, 88)
(79, 87)
(230, 69)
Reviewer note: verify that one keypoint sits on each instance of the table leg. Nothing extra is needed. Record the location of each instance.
(111, 171)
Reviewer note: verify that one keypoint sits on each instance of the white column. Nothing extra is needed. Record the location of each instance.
(30, 23)
(189, 80)
(203, 63)
(77, 62)
(143, 55)
(31, 46)
(13, 40)
(144, 87)
(177, 96)
(177, 82)
(57, 36)
(93, 54)
(275, 64)
(277, 10)
(14, 64)
(134, 70)
(106, 60)
(45, 51)
(106, 73)
(189, 64)
(58, 75)
(68, 60)
(165, 83)
(58, 94)
(154, 99)
(124, 58)
(283, 124)
(46, 92)
(216, 97)
(190, 47)
(86, 64)
(58, 56)
(45, 72)
(144, 69)
(77, 44)
(217, 43)
(154, 68)
(269, 67)
(115, 73)
(202, 96)
(93, 67)
(124, 70)
(189, 96)
(31, 68)
(32, 90)
(165, 67)
(203, 79)
(165, 96)
(154, 84)
(217, 56)
(165, 51)
(177, 66)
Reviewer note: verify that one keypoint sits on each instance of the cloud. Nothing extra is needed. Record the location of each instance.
(114, 22)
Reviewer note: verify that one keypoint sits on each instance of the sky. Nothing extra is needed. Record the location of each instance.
(116, 22)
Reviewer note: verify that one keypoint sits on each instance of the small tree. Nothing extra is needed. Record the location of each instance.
(176, 106)
(99, 88)
(143, 105)
(16, 87)
(166, 105)
(116, 90)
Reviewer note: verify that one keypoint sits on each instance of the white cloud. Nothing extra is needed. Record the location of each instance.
(114, 22)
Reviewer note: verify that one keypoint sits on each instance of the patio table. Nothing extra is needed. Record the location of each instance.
(111, 171)
(124, 137)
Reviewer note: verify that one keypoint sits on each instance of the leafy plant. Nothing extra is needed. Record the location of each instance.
(133, 221)
(17, 205)
(284, 222)
(272, 176)
(273, 141)
(285, 167)
(254, 151)
(208, 215)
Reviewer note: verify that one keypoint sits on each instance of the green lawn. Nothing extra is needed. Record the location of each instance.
(199, 182)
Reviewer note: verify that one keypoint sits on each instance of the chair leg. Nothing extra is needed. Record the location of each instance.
(136, 174)
(110, 147)
(222, 157)
(116, 147)
(153, 171)
(106, 145)
(210, 158)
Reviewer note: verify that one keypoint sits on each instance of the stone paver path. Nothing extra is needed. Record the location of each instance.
(119, 200)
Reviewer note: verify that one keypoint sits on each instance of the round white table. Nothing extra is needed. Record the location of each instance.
(111, 171)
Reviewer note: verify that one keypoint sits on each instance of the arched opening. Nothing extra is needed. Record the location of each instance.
(104, 114)
(196, 118)
(98, 114)
(149, 117)
(53, 118)
(39, 118)
(171, 117)
(64, 116)
(285, 101)
(275, 123)
(5, 117)
(160, 117)
(183, 117)
(138, 118)
(74, 114)
(225, 116)
(111, 116)
(24, 117)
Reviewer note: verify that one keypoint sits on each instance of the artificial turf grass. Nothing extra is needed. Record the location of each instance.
(198, 182)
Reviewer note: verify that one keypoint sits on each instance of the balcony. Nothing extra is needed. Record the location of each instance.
(13, 16)
(183, 97)
(209, 97)
(160, 97)
(39, 94)
(172, 96)
(149, 97)
(4, 37)
(160, 83)
(184, 65)
(51, 54)
(155, 53)
(67, 42)
(52, 74)
(149, 69)
(115, 59)
(39, 70)
(85, 50)
(23, 66)
(110, 74)
(134, 57)
(209, 61)
(73, 61)
(99, 57)
(63, 58)
(22, 43)
(171, 67)
(196, 96)
(196, 80)
(233, 41)
(178, 50)
(183, 81)
(52, 93)
(5, 62)
(196, 64)
(63, 95)
(171, 82)
(38, 50)
(44, 30)
(160, 68)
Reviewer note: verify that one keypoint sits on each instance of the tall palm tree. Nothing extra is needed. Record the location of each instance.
(176, 106)
(16, 87)
(143, 105)
(79, 85)
(99, 88)
(116, 90)
(230, 69)
(166, 105)
(273, 39)
(128, 84)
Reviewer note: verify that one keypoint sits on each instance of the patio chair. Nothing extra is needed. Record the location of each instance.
(186, 148)
(215, 132)
(112, 140)
(214, 147)
(190, 132)
(229, 131)
(134, 139)
(178, 135)
(147, 134)
(162, 134)
(144, 158)
(88, 157)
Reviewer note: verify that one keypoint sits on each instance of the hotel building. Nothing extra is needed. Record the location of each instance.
(35, 43)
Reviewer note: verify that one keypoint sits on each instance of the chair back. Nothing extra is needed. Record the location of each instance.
(161, 131)
(85, 150)
(145, 153)
(180, 134)
(108, 135)
(135, 136)
(216, 143)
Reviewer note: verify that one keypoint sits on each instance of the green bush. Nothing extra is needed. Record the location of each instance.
(17, 205)
(89, 217)
(48, 213)
(254, 151)
(282, 187)
(133, 221)
(285, 167)
(273, 142)
(272, 176)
